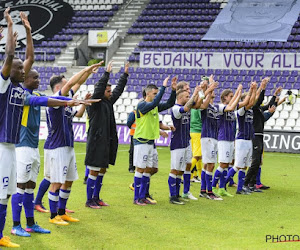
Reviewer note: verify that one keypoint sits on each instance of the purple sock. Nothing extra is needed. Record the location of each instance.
(28, 204)
(98, 185)
(258, 182)
(208, 178)
(242, 174)
(137, 184)
(172, 184)
(16, 204)
(145, 180)
(63, 198)
(2, 218)
(148, 186)
(53, 201)
(44, 185)
(217, 176)
(230, 180)
(230, 174)
(223, 178)
(90, 186)
(86, 171)
(203, 180)
(178, 182)
(186, 181)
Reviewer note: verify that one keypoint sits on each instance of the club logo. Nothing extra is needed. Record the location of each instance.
(5, 182)
(17, 96)
(46, 18)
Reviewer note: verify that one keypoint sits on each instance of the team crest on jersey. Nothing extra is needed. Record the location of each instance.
(68, 112)
(17, 96)
(213, 113)
(249, 116)
(47, 18)
(230, 116)
(185, 118)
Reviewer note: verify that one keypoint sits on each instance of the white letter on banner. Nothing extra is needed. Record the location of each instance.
(157, 57)
(126, 134)
(275, 141)
(147, 59)
(295, 145)
(119, 132)
(267, 138)
(285, 141)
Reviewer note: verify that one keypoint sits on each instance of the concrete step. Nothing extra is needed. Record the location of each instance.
(121, 53)
(129, 44)
(118, 58)
(122, 23)
(126, 48)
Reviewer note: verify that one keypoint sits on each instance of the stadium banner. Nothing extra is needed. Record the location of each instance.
(46, 18)
(217, 60)
(282, 141)
(255, 20)
(81, 136)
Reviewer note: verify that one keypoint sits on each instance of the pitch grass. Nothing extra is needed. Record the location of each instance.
(241, 222)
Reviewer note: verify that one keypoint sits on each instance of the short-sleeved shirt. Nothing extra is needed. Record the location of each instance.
(180, 138)
(210, 117)
(245, 121)
(60, 126)
(227, 124)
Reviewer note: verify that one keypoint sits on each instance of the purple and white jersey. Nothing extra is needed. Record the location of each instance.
(12, 98)
(210, 117)
(180, 138)
(245, 120)
(227, 124)
(60, 126)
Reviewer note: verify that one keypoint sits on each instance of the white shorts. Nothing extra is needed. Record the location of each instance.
(8, 170)
(155, 158)
(180, 157)
(143, 155)
(60, 164)
(209, 150)
(243, 153)
(225, 151)
(28, 164)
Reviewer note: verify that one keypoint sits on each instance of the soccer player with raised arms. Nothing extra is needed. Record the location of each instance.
(147, 130)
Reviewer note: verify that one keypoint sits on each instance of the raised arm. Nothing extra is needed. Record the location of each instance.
(10, 46)
(235, 100)
(171, 101)
(251, 95)
(29, 44)
(117, 92)
(206, 102)
(261, 96)
(102, 83)
(187, 107)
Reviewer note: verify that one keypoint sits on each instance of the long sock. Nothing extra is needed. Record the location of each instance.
(199, 167)
(203, 180)
(63, 198)
(186, 181)
(148, 186)
(86, 171)
(3, 208)
(137, 184)
(231, 181)
(172, 184)
(53, 201)
(258, 180)
(230, 174)
(90, 186)
(16, 204)
(145, 180)
(28, 200)
(223, 177)
(217, 176)
(178, 182)
(193, 168)
(208, 178)
(98, 185)
(242, 174)
(44, 185)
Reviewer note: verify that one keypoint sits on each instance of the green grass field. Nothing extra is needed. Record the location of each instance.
(241, 222)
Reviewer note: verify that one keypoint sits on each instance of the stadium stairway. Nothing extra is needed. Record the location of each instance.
(122, 21)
